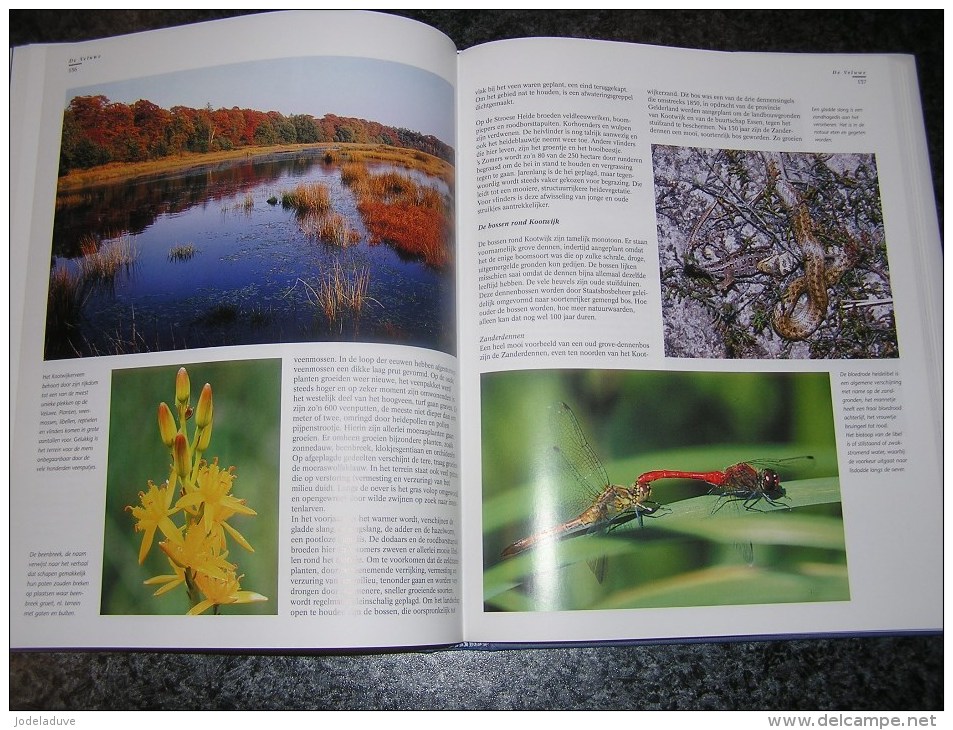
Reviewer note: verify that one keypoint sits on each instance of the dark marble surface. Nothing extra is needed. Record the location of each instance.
(872, 673)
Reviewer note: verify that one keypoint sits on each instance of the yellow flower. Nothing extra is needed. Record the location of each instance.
(211, 492)
(199, 553)
(167, 429)
(180, 456)
(168, 582)
(205, 436)
(197, 549)
(203, 410)
(154, 514)
(182, 387)
(222, 592)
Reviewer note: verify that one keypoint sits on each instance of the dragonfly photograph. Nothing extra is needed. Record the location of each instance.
(621, 489)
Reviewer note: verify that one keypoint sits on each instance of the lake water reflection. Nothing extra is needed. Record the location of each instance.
(246, 270)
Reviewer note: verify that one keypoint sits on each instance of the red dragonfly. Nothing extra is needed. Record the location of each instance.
(748, 481)
(609, 505)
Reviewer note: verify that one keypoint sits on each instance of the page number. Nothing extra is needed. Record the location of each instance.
(858, 77)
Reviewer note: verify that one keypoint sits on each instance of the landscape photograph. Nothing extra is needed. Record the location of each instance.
(298, 200)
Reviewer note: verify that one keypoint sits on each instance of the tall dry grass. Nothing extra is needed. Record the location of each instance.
(182, 252)
(331, 228)
(309, 198)
(70, 286)
(402, 157)
(316, 217)
(102, 262)
(415, 219)
(353, 173)
(339, 291)
(66, 296)
(117, 171)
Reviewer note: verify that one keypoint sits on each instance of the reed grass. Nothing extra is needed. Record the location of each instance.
(245, 205)
(182, 252)
(66, 296)
(102, 262)
(126, 339)
(71, 285)
(316, 217)
(403, 157)
(308, 198)
(353, 173)
(415, 219)
(331, 228)
(74, 199)
(339, 291)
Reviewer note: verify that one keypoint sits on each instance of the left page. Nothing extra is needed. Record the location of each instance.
(234, 379)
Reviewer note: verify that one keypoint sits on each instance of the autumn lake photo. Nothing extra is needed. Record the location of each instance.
(300, 200)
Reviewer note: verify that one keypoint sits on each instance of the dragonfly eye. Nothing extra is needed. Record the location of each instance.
(771, 484)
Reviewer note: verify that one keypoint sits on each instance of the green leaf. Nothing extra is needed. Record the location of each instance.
(735, 585)
(725, 521)
(663, 563)
(521, 502)
(803, 493)
(548, 557)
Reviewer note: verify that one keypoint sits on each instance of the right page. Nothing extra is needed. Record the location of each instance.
(700, 327)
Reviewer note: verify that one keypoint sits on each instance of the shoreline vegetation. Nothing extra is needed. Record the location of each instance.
(112, 172)
(415, 219)
(396, 208)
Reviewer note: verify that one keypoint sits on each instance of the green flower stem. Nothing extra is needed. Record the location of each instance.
(191, 589)
(196, 548)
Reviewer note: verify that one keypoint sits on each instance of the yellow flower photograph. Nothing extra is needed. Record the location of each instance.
(191, 519)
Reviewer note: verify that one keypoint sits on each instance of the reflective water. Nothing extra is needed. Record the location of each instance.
(253, 270)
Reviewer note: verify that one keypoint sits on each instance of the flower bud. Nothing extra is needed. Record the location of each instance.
(167, 427)
(203, 411)
(182, 386)
(205, 436)
(180, 455)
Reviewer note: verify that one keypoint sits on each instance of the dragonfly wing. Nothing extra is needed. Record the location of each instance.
(795, 467)
(575, 459)
(598, 567)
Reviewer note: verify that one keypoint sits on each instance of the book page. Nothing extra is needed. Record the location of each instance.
(702, 305)
(236, 402)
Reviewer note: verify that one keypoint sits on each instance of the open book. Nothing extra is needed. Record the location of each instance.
(327, 335)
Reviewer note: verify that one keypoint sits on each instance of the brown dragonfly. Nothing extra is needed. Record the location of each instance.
(609, 505)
